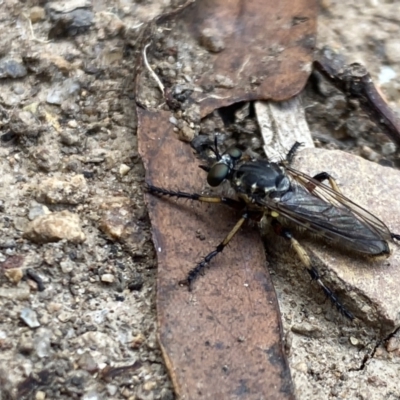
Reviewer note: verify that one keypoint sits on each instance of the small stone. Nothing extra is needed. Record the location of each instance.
(393, 344)
(42, 344)
(307, 330)
(60, 92)
(137, 341)
(388, 148)
(224, 82)
(149, 385)
(92, 395)
(40, 395)
(61, 191)
(186, 133)
(24, 123)
(37, 14)
(112, 389)
(46, 157)
(21, 292)
(136, 283)
(37, 211)
(117, 214)
(29, 317)
(108, 278)
(166, 394)
(69, 137)
(124, 169)
(64, 316)
(25, 343)
(369, 154)
(10, 68)
(212, 40)
(67, 266)
(54, 227)
(301, 367)
(392, 50)
(53, 307)
(14, 275)
(354, 341)
(87, 362)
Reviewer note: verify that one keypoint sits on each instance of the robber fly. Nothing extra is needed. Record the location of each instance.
(285, 196)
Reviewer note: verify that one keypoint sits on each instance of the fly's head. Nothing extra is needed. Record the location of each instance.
(224, 167)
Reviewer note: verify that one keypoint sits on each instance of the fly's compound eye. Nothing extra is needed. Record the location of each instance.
(217, 174)
(234, 153)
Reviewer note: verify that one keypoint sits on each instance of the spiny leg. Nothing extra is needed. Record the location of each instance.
(323, 176)
(292, 152)
(237, 205)
(305, 259)
(199, 268)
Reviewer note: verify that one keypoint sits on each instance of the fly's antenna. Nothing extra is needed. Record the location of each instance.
(216, 152)
(205, 168)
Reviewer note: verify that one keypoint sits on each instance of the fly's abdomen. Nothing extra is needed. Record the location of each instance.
(335, 224)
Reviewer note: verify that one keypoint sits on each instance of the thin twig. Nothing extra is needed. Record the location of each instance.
(152, 73)
(33, 37)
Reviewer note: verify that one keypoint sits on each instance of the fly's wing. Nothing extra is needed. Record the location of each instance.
(331, 215)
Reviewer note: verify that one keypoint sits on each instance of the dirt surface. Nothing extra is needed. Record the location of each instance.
(78, 268)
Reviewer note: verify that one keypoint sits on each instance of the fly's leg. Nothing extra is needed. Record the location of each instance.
(305, 259)
(323, 176)
(237, 205)
(292, 152)
(199, 268)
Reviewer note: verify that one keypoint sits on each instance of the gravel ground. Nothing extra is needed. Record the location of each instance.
(77, 265)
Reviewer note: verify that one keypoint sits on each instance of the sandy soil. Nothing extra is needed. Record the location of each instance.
(77, 264)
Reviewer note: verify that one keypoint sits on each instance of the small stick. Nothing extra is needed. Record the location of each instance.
(152, 73)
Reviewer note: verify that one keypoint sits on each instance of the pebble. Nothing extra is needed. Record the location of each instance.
(354, 341)
(40, 395)
(42, 344)
(212, 40)
(60, 92)
(14, 275)
(64, 316)
(112, 390)
(87, 362)
(369, 154)
(224, 82)
(388, 148)
(24, 123)
(393, 344)
(186, 133)
(301, 367)
(46, 157)
(37, 14)
(25, 343)
(117, 213)
(392, 50)
(150, 385)
(53, 307)
(54, 227)
(11, 68)
(29, 317)
(67, 266)
(306, 329)
(108, 278)
(37, 211)
(124, 169)
(60, 191)
(21, 292)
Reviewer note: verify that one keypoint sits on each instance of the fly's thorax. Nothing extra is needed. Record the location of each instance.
(260, 178)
